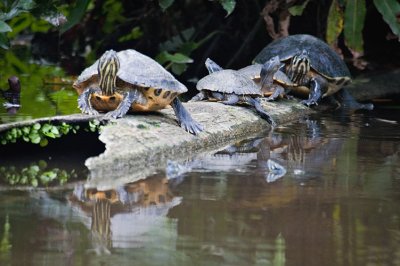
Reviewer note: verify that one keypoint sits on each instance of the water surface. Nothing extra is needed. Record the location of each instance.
(337, 204)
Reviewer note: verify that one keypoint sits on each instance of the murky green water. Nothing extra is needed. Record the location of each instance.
(337, 204)
(45, 89)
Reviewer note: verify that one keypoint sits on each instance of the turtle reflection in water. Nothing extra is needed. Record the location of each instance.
(118, 82)
(310, 62)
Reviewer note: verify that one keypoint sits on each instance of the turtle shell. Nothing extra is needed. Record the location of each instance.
(137, 71)
(228, 81)
(323, 59)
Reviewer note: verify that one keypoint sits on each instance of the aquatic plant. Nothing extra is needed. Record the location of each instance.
(37, 133)
(41, 133)
(36, 174)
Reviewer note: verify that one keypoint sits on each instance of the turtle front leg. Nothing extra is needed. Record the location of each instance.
(315, 93)
(185, 120)
(260, 110)
(276, 92)
(129, 98)
(212, 66)
(84, 101)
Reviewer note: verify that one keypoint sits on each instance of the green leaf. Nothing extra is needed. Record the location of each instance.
(180, 58)
(17, 8)
(164, 4)
(34, 182)
(177, 58)
(177, 41)
(4, 27)
(50, 135)
(43, 142)
(76, 14)
(35, 138)
(335, 22)
(297, 10)
(178, 69)
(4, 42)
(36, 126)
(354, 17)
(55, 131)
(135, 33)
(390, 9)
(46, 128)
(228, 5)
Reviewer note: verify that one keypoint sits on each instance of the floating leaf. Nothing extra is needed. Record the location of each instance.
(34, 183)
(55, 131)
(390, 10)
(354, 17)
(36, 126)
(34, 138)
(43, 142)
(335, 22)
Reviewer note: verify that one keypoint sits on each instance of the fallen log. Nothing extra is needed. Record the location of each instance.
(140, 145)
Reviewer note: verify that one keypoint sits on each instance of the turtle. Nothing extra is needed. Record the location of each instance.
(128, 79)
(230, 87)
(274, 83)
(309, 61)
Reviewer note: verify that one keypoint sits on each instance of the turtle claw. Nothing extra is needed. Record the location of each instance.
(88, 110)
(309, 102)
(267, 99)
(192, 127)
(185, 120)
(93, 112)
(113, 115)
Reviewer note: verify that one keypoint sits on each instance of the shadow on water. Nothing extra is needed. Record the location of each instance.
(336, 203)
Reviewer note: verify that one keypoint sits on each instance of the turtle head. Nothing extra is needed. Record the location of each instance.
(299, 67)
(212, 66)
(107, 69)
(268, 71)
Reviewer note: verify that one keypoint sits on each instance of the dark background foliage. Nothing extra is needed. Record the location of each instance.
(181, 34)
